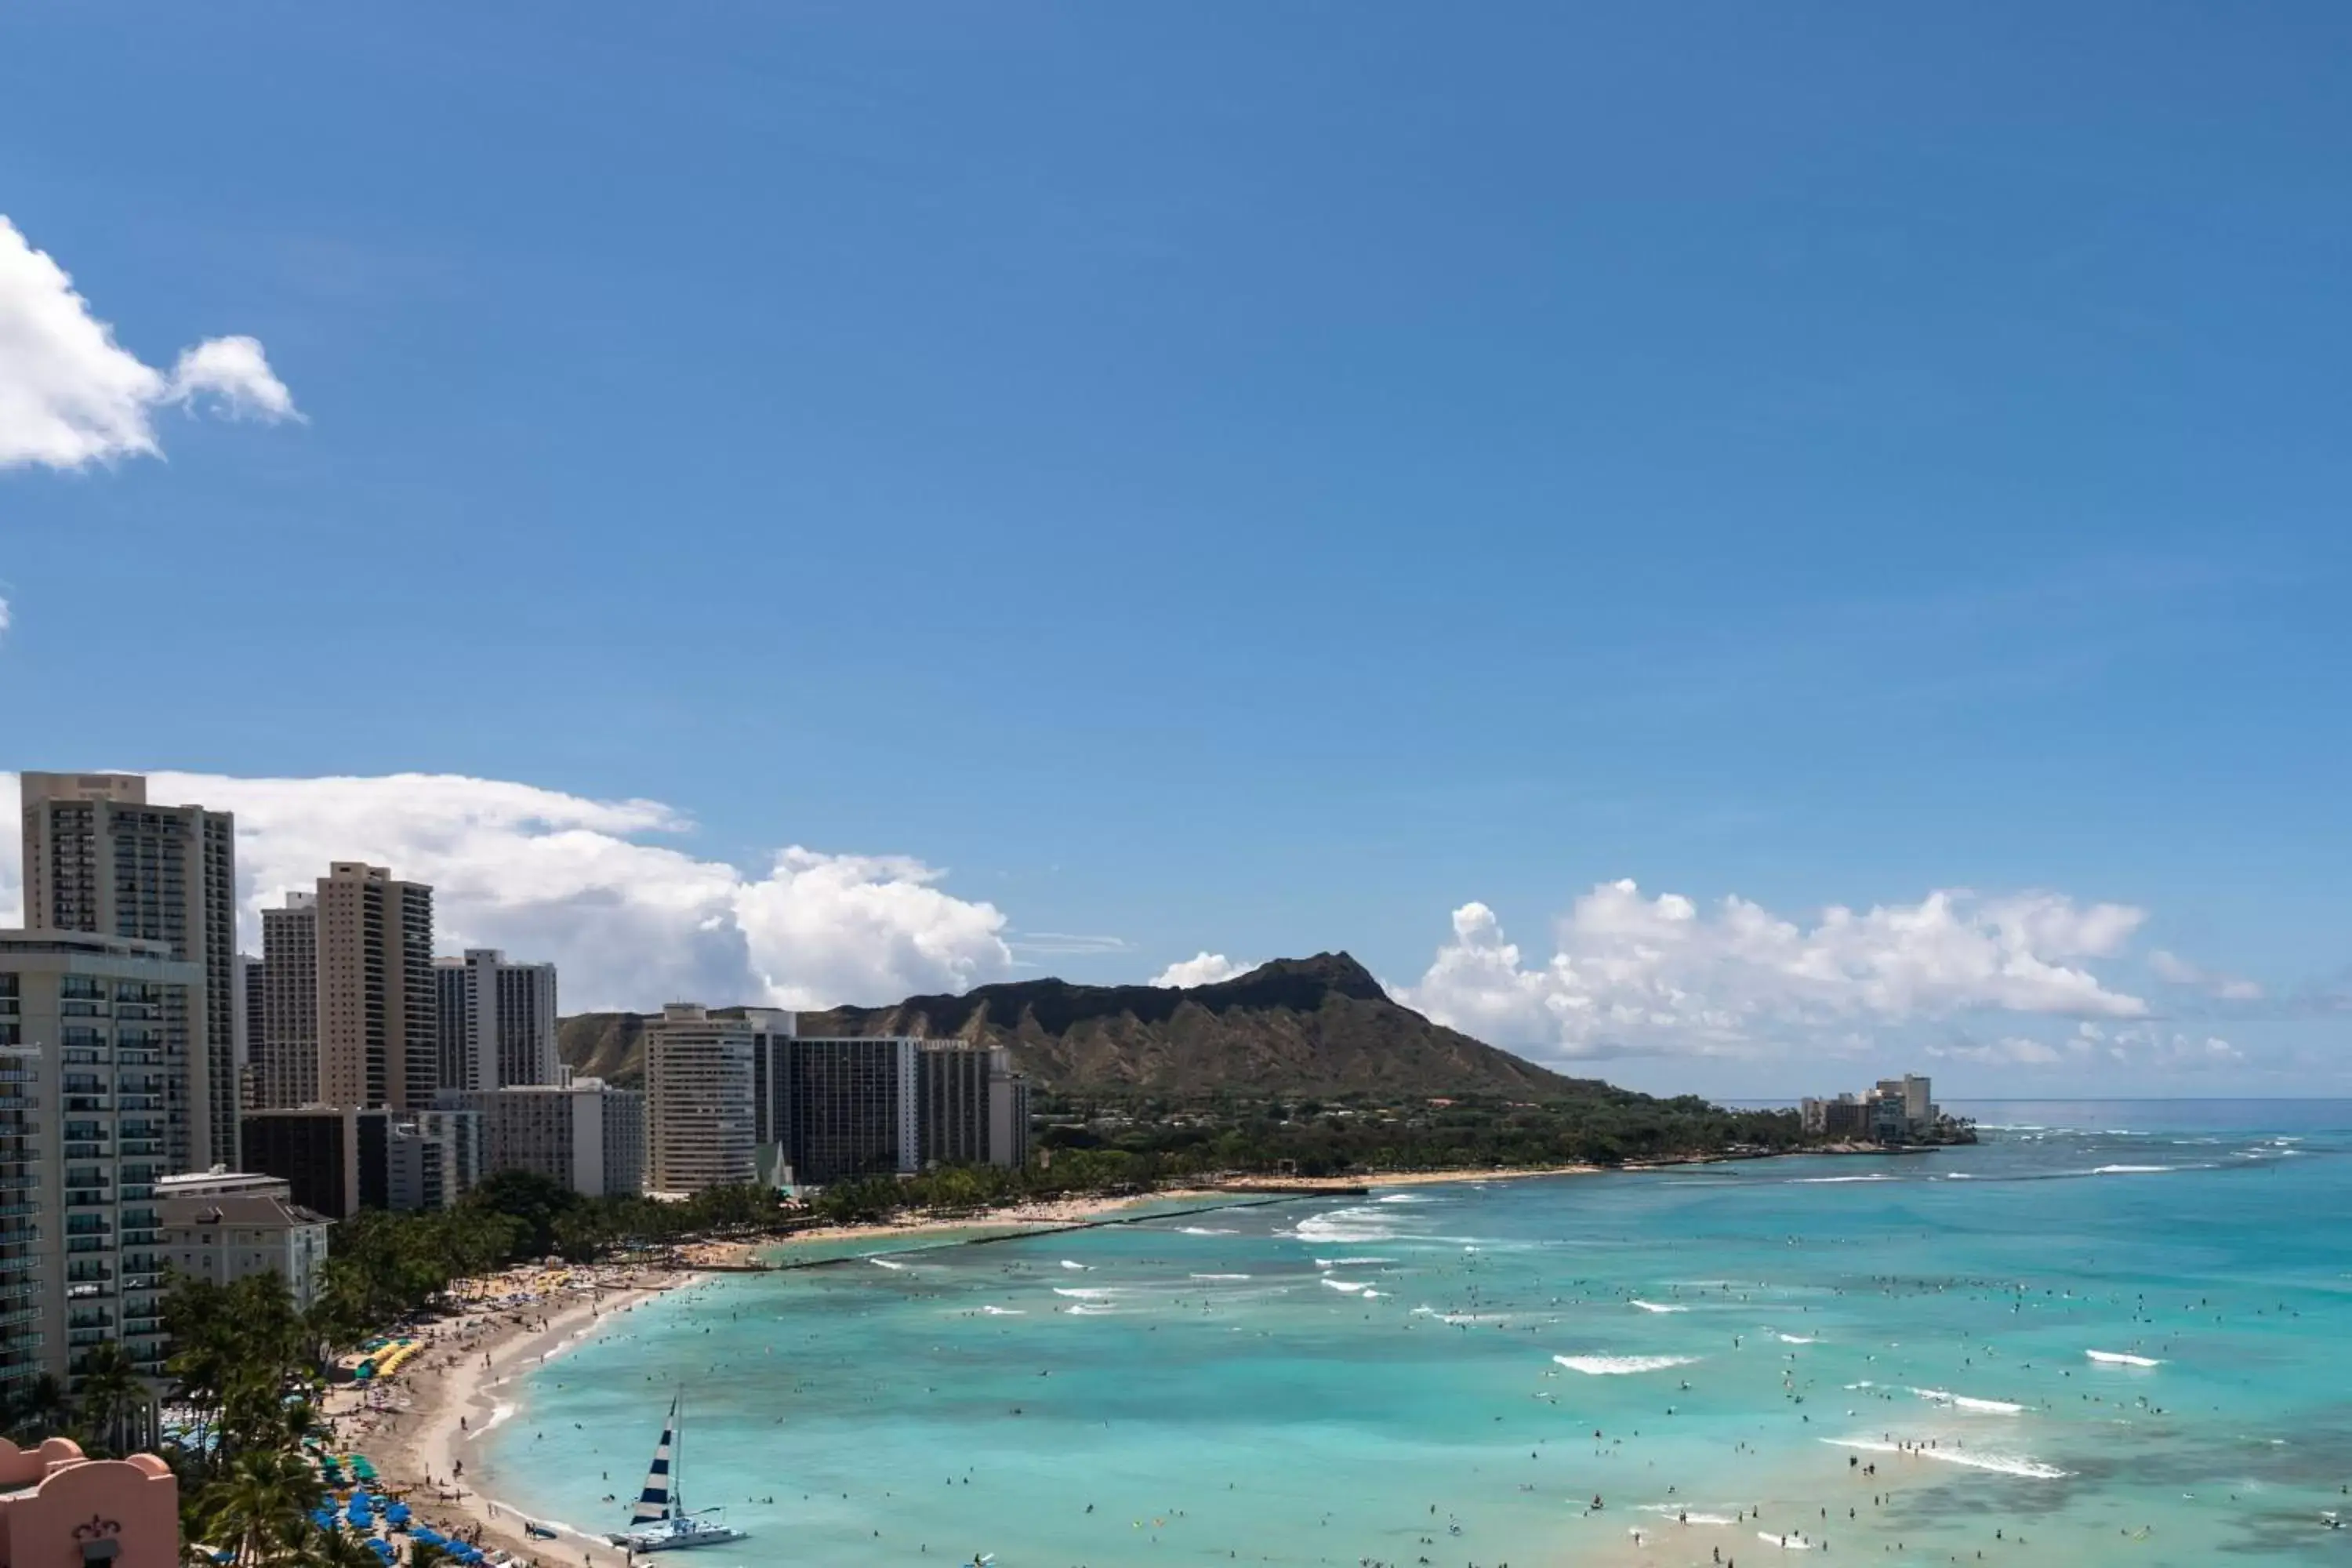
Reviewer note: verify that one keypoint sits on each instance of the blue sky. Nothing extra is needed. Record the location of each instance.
(1248, 480)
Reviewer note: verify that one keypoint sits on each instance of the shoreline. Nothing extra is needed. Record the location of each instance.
(1044, 1216)
(419, 1430)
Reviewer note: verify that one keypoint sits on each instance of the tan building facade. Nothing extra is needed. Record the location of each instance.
(698, 1125)
(98, 858)
(379, 1028)
(285, 1039)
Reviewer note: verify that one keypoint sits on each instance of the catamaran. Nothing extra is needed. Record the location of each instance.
(660, 1521)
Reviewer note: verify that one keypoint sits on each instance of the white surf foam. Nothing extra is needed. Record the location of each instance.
(1203, 1230)
(1827, 1181)
(1085, 1292)
(1362, 1223)
(1655, 1307)
(1002, 1312)
(2000, 1464)
(1785, 1543)
(1085, 1310)
(1081, 1267)
(2135, 1170)
(1349, 1285)
(1798, 1339)
(2119, 1358)
(1350, 1262)
(884, 1263)
(1220, 1275)
(498, 1413)
(1962, 1402)
(1620, 1365)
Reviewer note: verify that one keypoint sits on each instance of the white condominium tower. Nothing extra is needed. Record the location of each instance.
(497, 1021)
(379, 1034)
(99, 858)
(698, 1128)
(100, 1021)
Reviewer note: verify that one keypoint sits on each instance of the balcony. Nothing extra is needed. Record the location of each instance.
(142, 1238)
(138, 1101)
(131, 1148)
(89, 1102)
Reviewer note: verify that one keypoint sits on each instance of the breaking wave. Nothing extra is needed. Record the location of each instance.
(1962, 1402)
(2119, 1358)
(1619, 1365)
(2000, 1464)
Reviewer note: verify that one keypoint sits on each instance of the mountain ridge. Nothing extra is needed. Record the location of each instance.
(1321, 1025)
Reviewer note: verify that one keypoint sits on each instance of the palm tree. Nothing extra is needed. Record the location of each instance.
(111, 1392)
(260, 1509)
(39, 1410)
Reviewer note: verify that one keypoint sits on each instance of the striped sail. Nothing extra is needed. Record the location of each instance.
(655, 1501)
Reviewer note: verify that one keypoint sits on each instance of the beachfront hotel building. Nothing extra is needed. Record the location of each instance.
(699, 1102)
(1896, 1111)
(972, 1108)
(847, 1106)
(225, 1226)
(104, 1026)
(20, 1191)
(286, 1041)
(567, 1133)
(100, 857)
(379, 1018)
(59, 1508)
(624, 1142)
(338, 1160)
(497, 1021)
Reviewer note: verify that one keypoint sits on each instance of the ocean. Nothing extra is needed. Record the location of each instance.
(2111, 1332)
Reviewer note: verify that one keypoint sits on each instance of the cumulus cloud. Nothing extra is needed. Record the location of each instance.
(69, 394)
(233, 374)
(2175, 970)
(2014, 1050)
(602, 889)
(1631, 972)
(1204, 968)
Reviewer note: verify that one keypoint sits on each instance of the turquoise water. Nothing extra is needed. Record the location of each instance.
(1454, 1373)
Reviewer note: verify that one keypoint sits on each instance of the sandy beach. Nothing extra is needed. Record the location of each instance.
(418, 1429)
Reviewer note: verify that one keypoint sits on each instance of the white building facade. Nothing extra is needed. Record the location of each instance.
(497, 1021)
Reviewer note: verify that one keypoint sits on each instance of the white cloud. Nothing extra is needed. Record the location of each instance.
(69, 394)
(1204, 968)
(5, 622)
(2175, 969)
(2014, 1050)
(1631, 972)
(631, 921)
(235, 374)
(2146, 1047)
